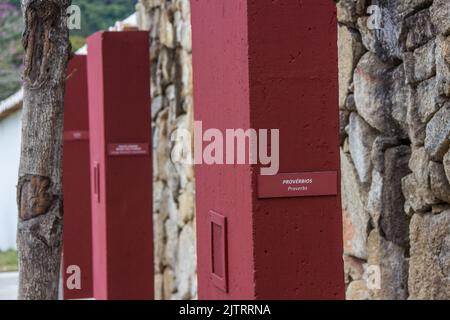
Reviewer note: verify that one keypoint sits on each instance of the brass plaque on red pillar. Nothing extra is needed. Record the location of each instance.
(302, 184)
(76, 135)
(128, 149)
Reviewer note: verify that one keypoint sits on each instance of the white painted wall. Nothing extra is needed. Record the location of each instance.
(10, 131)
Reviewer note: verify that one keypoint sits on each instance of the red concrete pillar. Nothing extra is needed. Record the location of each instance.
(121, 164)
(77, 250)
(269, 65)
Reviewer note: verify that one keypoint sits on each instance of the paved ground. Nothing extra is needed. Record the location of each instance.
(8, 285)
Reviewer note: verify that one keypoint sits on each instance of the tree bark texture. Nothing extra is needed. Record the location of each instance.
(39, 189)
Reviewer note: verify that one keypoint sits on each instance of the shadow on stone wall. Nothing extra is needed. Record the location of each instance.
(395, 127)
(172, 107)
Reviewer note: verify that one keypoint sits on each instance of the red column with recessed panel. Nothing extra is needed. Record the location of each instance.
(269, 65)
(121, 165)
(77, 252)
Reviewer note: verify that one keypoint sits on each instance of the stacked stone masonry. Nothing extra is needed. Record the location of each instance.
(394, 71)
(168, 23)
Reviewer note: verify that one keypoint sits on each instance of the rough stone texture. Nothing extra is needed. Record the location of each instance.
(356, 217)
(371, 81)
(429, 274)
(393, 267)
(426, 100)
(439, 183)
(381, 95)
(406, 5)
(447, 165)
(354, 268)
(423, 104)
(168, 22)
(357, 290)
(438, 133)
(443, 64)
(159, 286)
(419, 30)
(421, 64)
(401, 96)
(348, 11)
(392, 220)
(440, 13)
(343, 122)
(375, 197)
(416, 186)
(367, 35)
(388, 38)
(350, 51)
(395, 149)
(186, 263)
(361, 138)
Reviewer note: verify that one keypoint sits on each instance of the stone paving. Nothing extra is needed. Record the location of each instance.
(8, 285)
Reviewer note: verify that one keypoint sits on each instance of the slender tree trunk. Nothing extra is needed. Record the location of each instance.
(39, 190)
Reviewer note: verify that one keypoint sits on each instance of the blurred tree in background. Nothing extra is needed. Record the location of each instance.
(11, 27)
(95, 15)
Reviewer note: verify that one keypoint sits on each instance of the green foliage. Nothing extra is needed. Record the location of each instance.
(8, 261)
(10, 48)
(77, 42)
(100, 14)
(95, 15)
(14, 2)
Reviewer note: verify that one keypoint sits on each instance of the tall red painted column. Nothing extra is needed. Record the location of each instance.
(269, 65)
(77, 252)
(121, 165)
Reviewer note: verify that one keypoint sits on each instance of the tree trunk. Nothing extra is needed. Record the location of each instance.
(39, 190)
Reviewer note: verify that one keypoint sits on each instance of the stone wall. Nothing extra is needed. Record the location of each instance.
(395, 126)
(168, 23)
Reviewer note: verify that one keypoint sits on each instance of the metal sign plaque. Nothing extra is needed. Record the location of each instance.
(76, 135)
(128, 149)
(303, 184)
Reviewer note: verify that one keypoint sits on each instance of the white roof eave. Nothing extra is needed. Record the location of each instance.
(11, 103)
(15, 101)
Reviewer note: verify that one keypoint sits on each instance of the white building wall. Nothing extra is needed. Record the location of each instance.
(10, 132)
